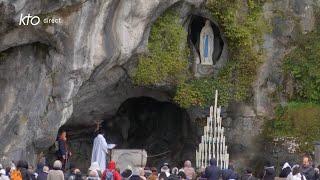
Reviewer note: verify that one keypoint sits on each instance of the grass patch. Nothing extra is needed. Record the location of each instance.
(299, 120)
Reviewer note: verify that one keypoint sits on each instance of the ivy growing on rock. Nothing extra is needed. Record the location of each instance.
(167, 59)
(298, 120)
(303, 65)
(243, 27)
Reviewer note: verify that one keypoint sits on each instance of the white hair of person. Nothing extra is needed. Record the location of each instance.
(57, 164)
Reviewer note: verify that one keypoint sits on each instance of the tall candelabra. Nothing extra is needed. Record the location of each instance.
(213, 141)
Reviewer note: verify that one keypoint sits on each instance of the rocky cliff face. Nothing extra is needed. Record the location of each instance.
(287, 18)
(77, 71)
(52, 70)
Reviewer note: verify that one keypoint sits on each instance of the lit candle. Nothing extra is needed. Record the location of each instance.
(209, 145)
(213, 141)
(205, 147)
(197, 165)
(215, 105)
(213, 149)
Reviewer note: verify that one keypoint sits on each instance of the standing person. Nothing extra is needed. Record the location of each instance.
(162, 176)
(212, 172)
(248, 175)
(142, 174)
(307, 170)
(189, 170)
(111, 173)
(62, 152)
(75, 172)
(165, 169)
(95, 167)
(39, 168)
(56, 173)
(269, 172)
(3, 175)
(100, 150)
(229, 173)
(32, 172)
(135, 174)
(126, 174)
(43, 174)
(174, 174)
(154, 175)
(93, 175)
(286, 169)
(147, 172)
(295, 174)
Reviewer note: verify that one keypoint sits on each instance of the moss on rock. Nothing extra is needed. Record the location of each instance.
(167, 59)
(243, 31)
(303, 65)
(298, 120)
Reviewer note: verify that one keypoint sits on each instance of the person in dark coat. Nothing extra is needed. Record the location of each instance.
(39, 168)
(286, 169)
(269, 172)
(43, 174)
(163, 176)
(63, 152)
(229, 173)
(248, 175)
(307, 170)
(212, 172)
(126, 174)
(182, 175)
(174, 174)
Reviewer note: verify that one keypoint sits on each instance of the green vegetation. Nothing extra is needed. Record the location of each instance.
(243, 31)
(303, 65)
(168, 53)
(3, 56)
(167, 59)
(201, 92)
(299, 120)
(301, 117)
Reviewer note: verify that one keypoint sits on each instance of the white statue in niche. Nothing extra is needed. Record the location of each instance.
(206, 44)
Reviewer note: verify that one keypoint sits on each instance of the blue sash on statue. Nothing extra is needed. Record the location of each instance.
(206, 44)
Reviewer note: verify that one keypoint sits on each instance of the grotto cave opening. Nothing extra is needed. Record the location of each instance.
(196, 24)
(162, 128)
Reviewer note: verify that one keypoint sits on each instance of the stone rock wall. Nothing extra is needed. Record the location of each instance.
(80, 60)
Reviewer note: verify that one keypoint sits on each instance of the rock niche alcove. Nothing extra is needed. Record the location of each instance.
(196, 25)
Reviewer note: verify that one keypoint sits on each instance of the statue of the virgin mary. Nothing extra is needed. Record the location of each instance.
(206, 44)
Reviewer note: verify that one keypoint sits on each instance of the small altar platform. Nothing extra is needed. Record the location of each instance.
(129, 158)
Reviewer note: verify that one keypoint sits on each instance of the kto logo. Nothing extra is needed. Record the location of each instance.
(25, 20)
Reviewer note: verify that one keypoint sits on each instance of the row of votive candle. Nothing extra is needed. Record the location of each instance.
(213, 141)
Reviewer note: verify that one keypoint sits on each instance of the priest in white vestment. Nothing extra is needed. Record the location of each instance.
(100, 150)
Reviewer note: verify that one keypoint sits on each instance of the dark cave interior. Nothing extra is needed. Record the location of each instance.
(140, 123)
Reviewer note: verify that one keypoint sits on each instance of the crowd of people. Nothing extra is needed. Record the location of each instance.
(101, 170)
(22, 171)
